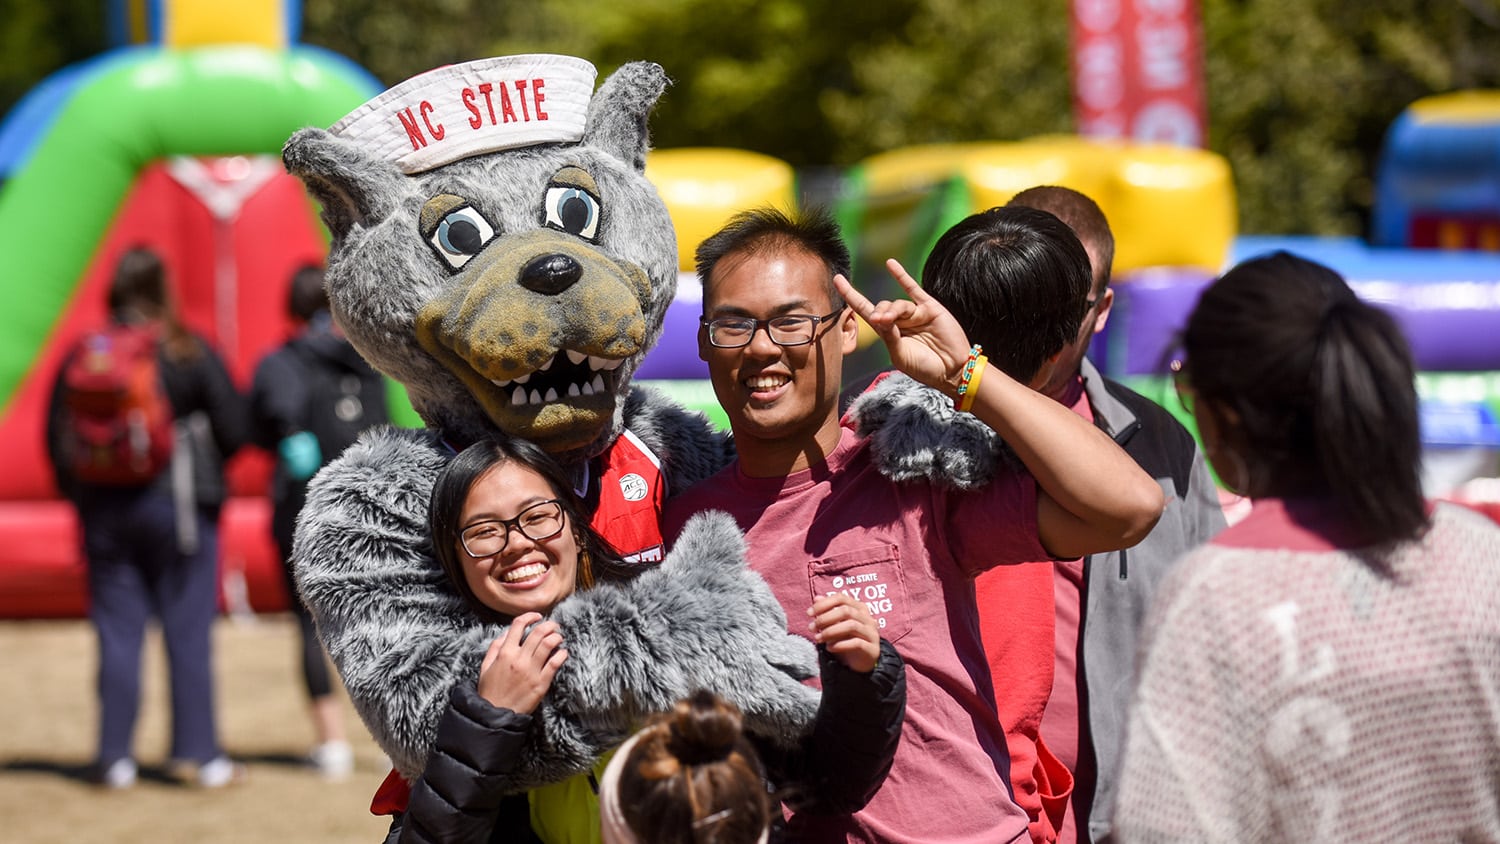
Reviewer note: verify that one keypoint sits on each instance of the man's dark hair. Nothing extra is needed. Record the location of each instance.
(306, 295)
(813, 231)
(1081, 214)
(1017, 280)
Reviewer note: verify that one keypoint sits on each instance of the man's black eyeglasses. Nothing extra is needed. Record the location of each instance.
(789, 330)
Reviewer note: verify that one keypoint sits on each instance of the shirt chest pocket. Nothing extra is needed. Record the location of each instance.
(871, 575)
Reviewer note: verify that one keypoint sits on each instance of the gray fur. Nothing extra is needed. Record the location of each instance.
(401, 638)
(398, 633)
(617, 114)
(689, 446)
(700, 620)
(916, 434)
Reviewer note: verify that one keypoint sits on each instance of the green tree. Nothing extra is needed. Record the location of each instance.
(395, 39)
(1300, 92)
(39, 38)
(754, 74)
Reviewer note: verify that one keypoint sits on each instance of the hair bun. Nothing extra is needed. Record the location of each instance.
(703, 729)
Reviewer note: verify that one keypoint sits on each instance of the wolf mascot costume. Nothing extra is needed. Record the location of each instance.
(498, 251)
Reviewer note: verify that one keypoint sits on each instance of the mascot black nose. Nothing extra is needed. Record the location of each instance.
(550, 274)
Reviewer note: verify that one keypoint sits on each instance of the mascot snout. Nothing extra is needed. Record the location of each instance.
(537, 328)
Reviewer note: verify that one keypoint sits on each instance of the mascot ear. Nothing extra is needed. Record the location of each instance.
(618, 112)
(353, 187)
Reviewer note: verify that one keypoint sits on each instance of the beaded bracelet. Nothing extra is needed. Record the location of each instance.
(966, 401)
(963, 383)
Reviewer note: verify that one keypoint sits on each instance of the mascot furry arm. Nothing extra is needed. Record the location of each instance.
(512, 275)
(401, 637)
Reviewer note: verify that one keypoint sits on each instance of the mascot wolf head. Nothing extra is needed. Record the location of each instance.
(496, 247)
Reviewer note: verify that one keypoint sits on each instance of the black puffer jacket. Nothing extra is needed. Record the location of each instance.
(836, 769)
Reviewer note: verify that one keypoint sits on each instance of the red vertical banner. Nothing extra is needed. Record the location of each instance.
(1138, 70)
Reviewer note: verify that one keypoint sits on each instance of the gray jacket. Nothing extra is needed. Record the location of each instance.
(1119, 585)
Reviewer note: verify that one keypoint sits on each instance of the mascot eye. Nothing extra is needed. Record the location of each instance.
(460, 236)
(573, 210)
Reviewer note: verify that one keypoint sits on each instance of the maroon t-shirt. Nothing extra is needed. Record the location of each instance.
(910, 552)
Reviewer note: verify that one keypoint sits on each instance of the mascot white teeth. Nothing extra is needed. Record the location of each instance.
(499, 252)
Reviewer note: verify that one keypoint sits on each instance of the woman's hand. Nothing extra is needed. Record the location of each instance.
(924, 339)
(847, 629)
(518, 667)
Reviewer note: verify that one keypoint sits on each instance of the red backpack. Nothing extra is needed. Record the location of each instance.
(117, 428)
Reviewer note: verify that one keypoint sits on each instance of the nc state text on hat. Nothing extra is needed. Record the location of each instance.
(528, 95)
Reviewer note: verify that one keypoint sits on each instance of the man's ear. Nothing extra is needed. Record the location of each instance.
(618, 112)
(849, 330)
(1101, 310)
(353, 187)
(703, 344)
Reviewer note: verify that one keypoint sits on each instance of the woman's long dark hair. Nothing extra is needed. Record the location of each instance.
(598, 560)
(138, 293)
(1323, 384)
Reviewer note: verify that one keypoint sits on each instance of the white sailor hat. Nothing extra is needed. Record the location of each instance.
(473, 108)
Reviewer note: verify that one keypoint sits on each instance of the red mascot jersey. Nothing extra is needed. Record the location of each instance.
(630, 490)
(629, 486)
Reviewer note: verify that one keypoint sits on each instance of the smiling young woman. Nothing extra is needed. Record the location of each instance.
(507, 530)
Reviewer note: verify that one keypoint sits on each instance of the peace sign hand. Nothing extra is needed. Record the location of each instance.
(923, 338)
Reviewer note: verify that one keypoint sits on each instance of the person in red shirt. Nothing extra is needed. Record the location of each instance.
(1101, 599)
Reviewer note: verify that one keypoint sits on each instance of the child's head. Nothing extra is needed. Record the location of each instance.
(508, 530)
(691, 777)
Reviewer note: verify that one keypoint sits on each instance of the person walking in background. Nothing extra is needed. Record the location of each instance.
(1325, 669)
(143, 414)
(1100, 600)
(310, 399)
(692, 776)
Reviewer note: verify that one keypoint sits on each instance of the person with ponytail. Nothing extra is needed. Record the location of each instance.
(1327, 668)
(692, 777)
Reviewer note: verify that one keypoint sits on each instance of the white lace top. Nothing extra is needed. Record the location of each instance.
(1322, 695)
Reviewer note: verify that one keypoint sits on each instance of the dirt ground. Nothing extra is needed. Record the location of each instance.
(48, 725)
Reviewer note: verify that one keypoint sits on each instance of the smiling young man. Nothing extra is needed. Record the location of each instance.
(820, 519)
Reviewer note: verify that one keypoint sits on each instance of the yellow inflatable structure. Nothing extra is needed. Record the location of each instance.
(1168, 206)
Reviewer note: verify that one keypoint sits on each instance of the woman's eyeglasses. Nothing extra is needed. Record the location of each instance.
(542, 520)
